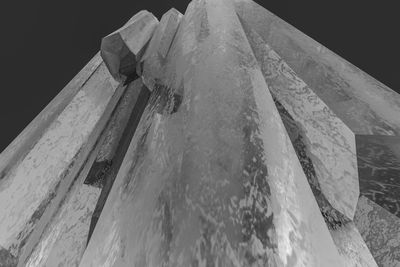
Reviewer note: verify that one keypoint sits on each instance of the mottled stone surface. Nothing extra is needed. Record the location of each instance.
(364, 104)
(118, 136)
(31, 192)
(381, 231)
(21, 145)
(352, 247)
(154, 59)
(64, 241)
(218, 181)
(379, 170)
(122, 49)
(329, 143)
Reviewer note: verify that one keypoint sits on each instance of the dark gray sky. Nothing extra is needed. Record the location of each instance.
(44, 43)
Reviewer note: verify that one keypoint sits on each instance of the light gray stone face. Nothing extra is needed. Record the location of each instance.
(122, 49)
(154, 59)
(364, 104)
(31, 191)
(330, 144)
(221, 137)
(207, 183)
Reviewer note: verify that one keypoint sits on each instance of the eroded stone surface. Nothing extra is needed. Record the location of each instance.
(330, 144)
(31, 192)
(122, 49)
(364, 104)
(64, 242)
(117, 138)
(381, 231)
(379, 170)
(352, 247)
(21, 145)
(217, 181)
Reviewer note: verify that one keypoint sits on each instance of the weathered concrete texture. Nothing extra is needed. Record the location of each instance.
(17, 150)
(352, 247)
(329, 143)
(64, 242)
(364, 104)
(112, 135)
(381, 231)
(122, 49)
(154, 58)
(118, 136)
(379, 170)
(32, 191)
(218, 181)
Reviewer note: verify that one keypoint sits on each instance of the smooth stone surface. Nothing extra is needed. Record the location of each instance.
(381, 231)
(32, 191)
(217, 182)
(379, 170)
(363, 103)
(23, 143)
(329, 143)
(153, 60)
(122, 49)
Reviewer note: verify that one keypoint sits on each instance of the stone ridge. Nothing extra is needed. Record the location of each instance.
(219, 137)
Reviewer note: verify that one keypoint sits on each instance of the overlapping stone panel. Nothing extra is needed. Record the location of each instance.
(154, 59)
(21, 145)
(329, 143)
(218, 181)
(32, 191)
(364, 104)
(379, 170)
(65, 240)
(122, 49)
(381, 231)
(118, 135)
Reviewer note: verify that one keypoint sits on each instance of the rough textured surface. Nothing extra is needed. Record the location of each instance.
(379, 170)
(381, 231)
(352, 247)
(255, 146)
(329, 143)
(218, 181)
(17, 150)
(122, 49)
(131, 108)
(364, 104)
(28, 191)
(65, 241)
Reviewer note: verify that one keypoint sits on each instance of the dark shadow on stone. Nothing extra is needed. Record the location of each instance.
(97, 173)
(123, 145)
(169, 99)
(7, 259)
(333, 218)
(378, 160)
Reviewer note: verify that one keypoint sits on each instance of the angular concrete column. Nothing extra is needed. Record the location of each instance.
(154, 59)
(364, 104)
(324, 140)
(122, 49)
(218, 181)
(21, 145)
(32, 191)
